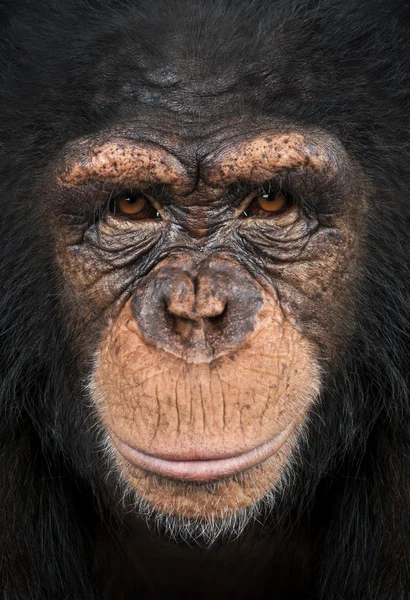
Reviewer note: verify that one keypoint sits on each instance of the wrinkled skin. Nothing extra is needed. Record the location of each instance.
(210, 345)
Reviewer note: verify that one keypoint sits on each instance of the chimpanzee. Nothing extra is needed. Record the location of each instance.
(205, 299)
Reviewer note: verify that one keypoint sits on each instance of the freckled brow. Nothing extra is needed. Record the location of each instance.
(135, 164)
(258, 159)
(123, 163)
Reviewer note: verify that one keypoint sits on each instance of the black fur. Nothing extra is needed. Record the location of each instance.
(343, 66)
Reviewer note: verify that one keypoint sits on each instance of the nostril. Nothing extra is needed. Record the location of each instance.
(182, 326)
(215, 319)
(179, 308)
(179, 297)
(210, 307)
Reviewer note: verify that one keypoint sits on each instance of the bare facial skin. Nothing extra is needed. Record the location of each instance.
(190, 414)
(211, 293)
(127, 165)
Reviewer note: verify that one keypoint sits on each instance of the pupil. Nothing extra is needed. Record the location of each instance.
(132, 200)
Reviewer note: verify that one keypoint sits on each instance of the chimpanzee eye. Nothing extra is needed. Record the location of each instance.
(267, 204)
(133, 205)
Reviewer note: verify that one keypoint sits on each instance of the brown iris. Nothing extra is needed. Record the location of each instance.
(133, 206)
(267, 204)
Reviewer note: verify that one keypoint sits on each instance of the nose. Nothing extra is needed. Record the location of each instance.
(196, 298)
(196, 305)
(197, 312)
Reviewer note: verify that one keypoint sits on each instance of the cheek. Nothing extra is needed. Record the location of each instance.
(165, 406)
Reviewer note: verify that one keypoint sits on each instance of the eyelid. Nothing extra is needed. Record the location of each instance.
(249, 193)
(150, 196)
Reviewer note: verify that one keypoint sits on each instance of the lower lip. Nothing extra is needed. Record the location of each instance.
(203, 469)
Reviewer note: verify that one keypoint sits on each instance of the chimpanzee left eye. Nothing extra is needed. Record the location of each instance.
(133, 205)
(267, 204)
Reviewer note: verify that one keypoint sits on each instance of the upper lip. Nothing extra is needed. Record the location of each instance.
(204, 468)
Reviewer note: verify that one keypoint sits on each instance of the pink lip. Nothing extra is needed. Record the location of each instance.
(203, 469)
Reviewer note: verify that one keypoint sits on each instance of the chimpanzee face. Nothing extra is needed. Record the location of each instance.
(211, 270)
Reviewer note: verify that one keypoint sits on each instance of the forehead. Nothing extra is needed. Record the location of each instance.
(176, 90)
(193, 65)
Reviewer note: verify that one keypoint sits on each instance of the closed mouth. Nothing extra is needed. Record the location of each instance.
(202, 469)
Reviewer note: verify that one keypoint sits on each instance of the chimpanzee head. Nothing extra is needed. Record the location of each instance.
(205, 277)
(207, 216)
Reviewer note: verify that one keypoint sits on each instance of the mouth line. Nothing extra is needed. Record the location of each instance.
(203, 469)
